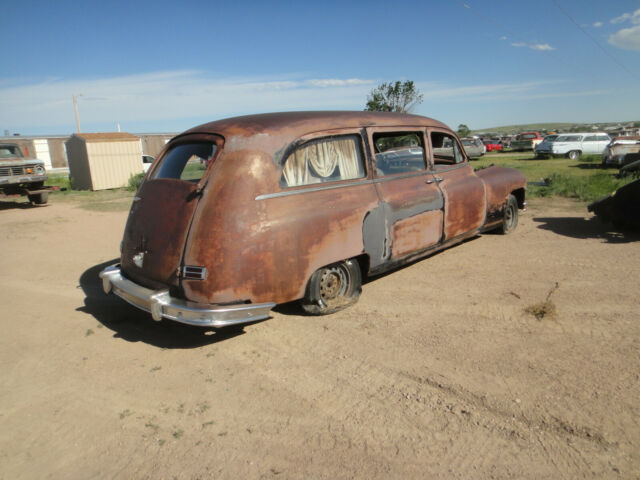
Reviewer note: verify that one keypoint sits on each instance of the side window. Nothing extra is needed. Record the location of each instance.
(186, 162)
(446, 150)
(590, 138)
(324, 160)
(398, 152)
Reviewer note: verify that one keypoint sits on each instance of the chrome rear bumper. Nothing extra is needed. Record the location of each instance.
(161, 305)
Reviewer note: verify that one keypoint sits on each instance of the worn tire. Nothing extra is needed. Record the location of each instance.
(574, 154)
(333, 288)
(39, 198)
(510, 216)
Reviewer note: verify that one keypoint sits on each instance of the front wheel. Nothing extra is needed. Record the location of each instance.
(333, 288)
(39, 198)
(510, 216)
(573, 154)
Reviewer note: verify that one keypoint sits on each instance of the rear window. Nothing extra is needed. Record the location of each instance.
(186, 162)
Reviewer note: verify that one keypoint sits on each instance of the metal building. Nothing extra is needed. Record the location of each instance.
(98, 161)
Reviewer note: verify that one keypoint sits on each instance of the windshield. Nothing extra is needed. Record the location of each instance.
(10, 151)
(186, 162)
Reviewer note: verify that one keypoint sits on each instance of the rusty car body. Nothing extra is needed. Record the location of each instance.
(238, 215)
(622, 207)
(620, 150)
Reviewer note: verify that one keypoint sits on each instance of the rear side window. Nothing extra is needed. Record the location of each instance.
(446, 150)
(324, 160)
(186, 162)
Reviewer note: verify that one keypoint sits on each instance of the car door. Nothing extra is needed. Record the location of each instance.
(409, 217)
(465, 200)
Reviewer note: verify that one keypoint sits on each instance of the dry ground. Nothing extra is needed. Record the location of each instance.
(438, 371)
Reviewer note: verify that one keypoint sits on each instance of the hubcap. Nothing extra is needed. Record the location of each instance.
(333, 283)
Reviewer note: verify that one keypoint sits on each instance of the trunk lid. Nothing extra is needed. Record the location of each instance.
(163, 210)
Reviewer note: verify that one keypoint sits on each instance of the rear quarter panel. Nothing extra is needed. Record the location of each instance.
(261, 247)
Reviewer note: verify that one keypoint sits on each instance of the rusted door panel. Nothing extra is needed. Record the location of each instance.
(156, 230)
(414, 233)
(411, 206)
(465, 202)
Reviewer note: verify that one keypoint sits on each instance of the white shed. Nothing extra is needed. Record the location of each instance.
(98, 161)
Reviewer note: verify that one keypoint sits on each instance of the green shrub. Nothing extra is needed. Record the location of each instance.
(63, 182)
(135, 181)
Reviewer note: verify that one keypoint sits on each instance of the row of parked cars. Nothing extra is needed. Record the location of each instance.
(617, 151)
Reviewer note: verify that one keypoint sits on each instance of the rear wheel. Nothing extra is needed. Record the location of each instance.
(39, 198)
(333, 288)
(574, 154)
(510, 216)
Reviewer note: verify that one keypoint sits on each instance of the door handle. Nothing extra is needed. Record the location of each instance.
(434, 179)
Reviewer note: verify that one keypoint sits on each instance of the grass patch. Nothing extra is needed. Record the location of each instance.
(583, 179)
(544, 309)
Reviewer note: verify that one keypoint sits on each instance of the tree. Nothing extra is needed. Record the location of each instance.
(463, 130)
(394, 97)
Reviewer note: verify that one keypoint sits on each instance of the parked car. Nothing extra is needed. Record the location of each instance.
(525, 141)
(492, 145)
(615, 153)
(299, 206)
(573, 145)
(22, 175)
(473, 147)
(622, 208)
(544, 148)
(147, 161)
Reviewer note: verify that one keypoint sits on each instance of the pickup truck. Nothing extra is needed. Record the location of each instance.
(20, 175)
(526, 141)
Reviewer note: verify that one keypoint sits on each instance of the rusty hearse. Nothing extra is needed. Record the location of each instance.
(238, 215)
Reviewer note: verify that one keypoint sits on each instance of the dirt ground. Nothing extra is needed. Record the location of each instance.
(437, 372)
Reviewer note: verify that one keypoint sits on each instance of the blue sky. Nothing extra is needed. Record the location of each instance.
(167, 66)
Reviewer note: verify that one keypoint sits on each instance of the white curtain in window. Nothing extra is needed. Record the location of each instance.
(347, 155)
(317, 162)
(296, 168)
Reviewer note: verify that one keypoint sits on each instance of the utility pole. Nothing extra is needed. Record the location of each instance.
(75, 108)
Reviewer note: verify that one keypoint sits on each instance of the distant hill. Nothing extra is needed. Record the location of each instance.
(555, 127)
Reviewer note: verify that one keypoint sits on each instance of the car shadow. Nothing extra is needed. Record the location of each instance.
(590, 166)
(576, 227)
(134, 325)
(13, 204)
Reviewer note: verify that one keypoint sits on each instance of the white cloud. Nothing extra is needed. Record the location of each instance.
(503, 38)
(632, 17)
(169, 96)
(536, 46)
(627, 38)
(434, 92)
(541, 47)
(597, 24)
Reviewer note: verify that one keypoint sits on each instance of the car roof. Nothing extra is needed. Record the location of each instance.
(301, 123)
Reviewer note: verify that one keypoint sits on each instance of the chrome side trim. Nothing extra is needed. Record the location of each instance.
(387, 178)
(162, 305)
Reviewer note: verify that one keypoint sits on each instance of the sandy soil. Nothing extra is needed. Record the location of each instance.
(437, 372)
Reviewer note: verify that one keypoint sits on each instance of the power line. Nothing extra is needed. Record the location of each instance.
(607, 53)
